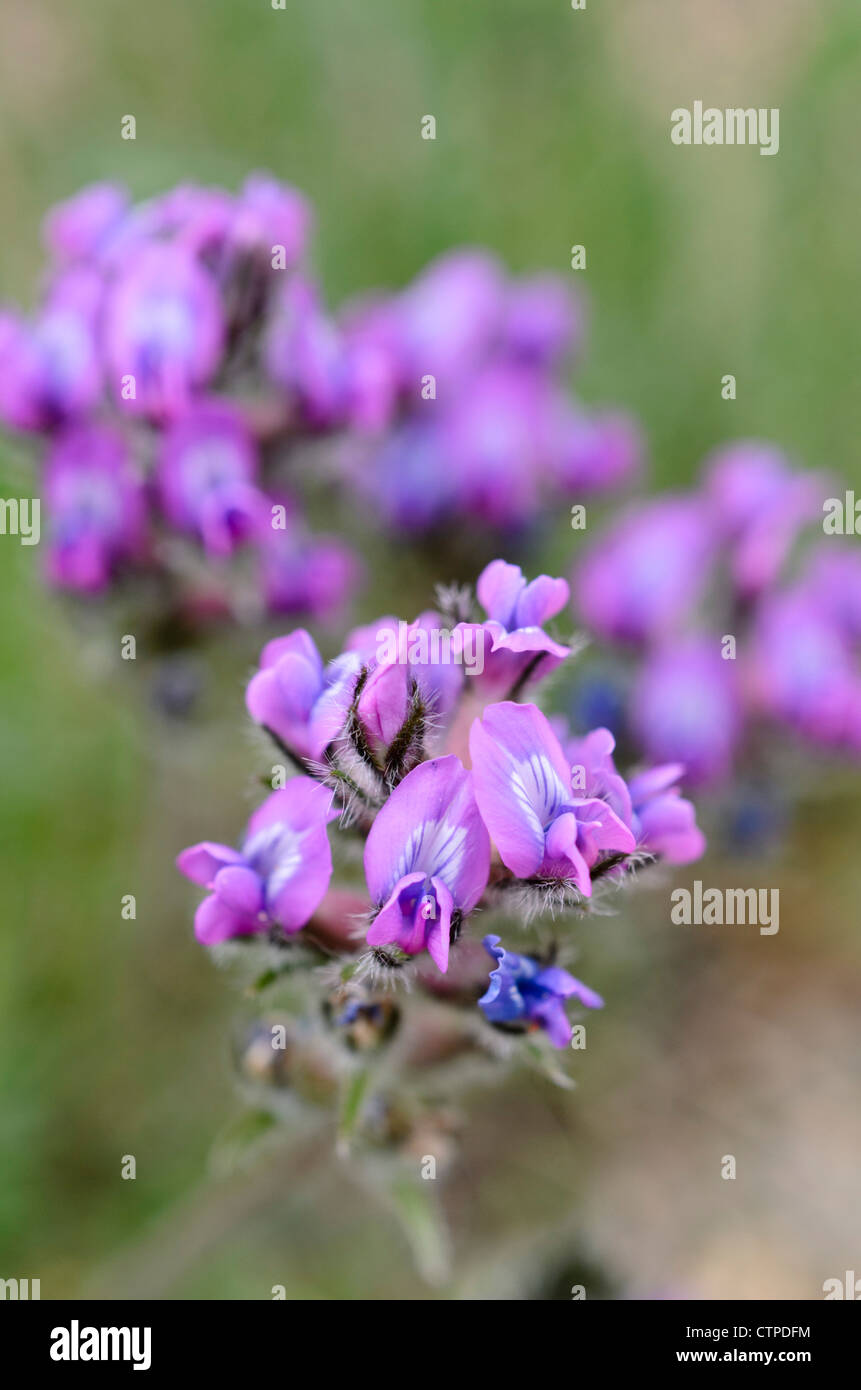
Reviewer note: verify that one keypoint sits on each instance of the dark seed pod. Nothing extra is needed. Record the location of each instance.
(264, 1052)
(364, 1021)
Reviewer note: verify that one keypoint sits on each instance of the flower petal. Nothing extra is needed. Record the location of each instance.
(202, 862)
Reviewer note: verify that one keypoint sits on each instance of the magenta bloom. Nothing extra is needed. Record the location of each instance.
(305, 354)
(542, 323)
(803, 671)
(49, 369)
(78, 229)
(300, 700)
(448, 318)
(402, 653)
(646, 573)
(495, 441)
(684, 709)
(760, 506)
(269, 214)
(540, 825)
(832, 579)
(427, 856)
(410, 480)
(517, 610)
(651, 805)
(597, 452)
(524, 992)
(663, 821)
(302, 573)
(280, 875)
(96, 507)
(207, 473)
(164, 328)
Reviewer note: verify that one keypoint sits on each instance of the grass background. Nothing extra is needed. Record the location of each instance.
(552, 129)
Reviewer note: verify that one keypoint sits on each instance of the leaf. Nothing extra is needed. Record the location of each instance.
(352, 1099)
(547, 1065)
(424, 1226)
(237, 1144)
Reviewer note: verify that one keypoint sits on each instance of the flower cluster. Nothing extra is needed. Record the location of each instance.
(470, 417)
(467, 803)
(193, 396)
(178, 346)
(734, 620)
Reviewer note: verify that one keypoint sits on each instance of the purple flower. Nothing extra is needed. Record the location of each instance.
(280, 875)
(77, 230)
(496, 443)
(685, 709)
(523, 787)
(803, 671)
(448, 318)
(370, 327)
(164, 328)
(639, 579)
(594, 773)
(305, 355)
(760, 506)
(832, 579)
(516, 611)
(302, 573)
(424, 652)
(650, 804)
(597, 453)
(542, 323)
(206, 478)
(663, 821)
(268, 214)
(523, 990)
(49, 369)
(300, 700)
(427, 856)
(409, 480)
(370, 386)
(96, 507)
(190, 219)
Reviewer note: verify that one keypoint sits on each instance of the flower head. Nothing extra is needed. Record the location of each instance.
(305, 356)
(77, 229)
(164, 328)
(447, 318)
(207, 478)
(523, 787)
(760, 506)
(305, 573)
(803, 672)
(50, 372)
(650, 804)
(422, 653)
(521, 990)
(96, 507)
(427, 856)
(685, 709)
(542, 322)
(280, 875)
(519, 647)
(639, 579)
(303, 702)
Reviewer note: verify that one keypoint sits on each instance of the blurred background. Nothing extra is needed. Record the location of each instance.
(552, 129)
